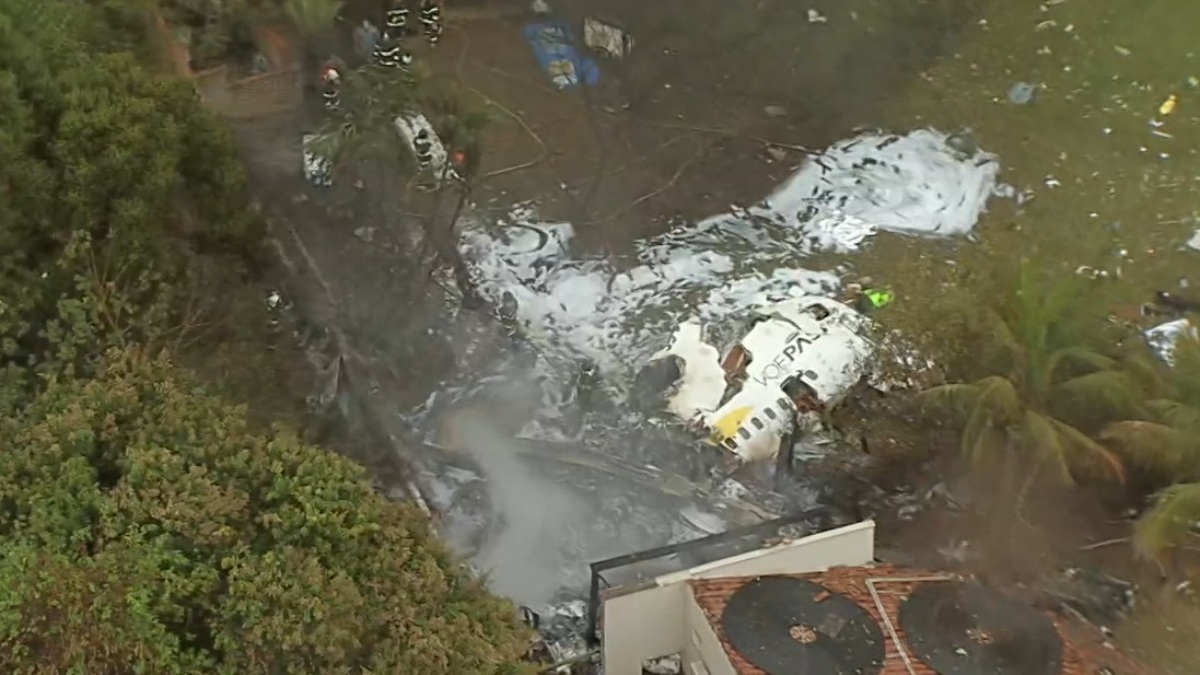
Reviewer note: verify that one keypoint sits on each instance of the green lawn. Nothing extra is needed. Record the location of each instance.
(1104, 67)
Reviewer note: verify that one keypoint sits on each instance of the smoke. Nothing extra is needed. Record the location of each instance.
(534, 520)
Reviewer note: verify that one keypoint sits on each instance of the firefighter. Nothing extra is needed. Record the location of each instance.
(587, 381)
(396, 18)
(865, 298)
(431, 21)
(389, 53)
(332, 92)
(423, 148)
(508, 316)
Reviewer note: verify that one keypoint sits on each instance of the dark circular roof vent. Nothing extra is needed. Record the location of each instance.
(965, 628)
(786, 626)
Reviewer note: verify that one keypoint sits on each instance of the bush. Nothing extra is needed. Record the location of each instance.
(147, 528)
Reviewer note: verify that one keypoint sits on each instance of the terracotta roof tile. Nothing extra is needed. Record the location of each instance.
(1084, 649)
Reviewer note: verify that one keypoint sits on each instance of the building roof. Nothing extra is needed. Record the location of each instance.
(1084, 650)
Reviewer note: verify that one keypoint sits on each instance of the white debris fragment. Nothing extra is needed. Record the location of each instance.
(1194, 242)
(1163, 338)
(667, 665)
(816, 17)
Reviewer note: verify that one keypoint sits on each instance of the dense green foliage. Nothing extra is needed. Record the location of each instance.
(1060, 394)
(1042, 383)
(1164, 446)
(147, 525)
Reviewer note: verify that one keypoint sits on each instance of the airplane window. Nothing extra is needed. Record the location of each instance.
(730, 443)
(820, 312)
(784, 403)
(769, 413)
(743, 433)
(794, 386)
(757, 423)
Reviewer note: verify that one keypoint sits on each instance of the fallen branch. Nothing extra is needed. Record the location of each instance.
(490, 101)
(1106, 542)
(730, 133)
(654, 193)
(643, 158)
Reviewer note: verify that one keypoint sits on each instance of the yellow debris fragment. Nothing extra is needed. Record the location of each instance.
(1168, 106)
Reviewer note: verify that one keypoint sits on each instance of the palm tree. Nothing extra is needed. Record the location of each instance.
(1165, 447)
(1045, 386)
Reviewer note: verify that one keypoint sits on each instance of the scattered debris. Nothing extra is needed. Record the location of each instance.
(1164, 337)
(607, 37)
(816, 17)
(667, 665)
(776, 153)
(1022, 93)
(563, 627)
(1098, 597)
(775, 111)
(956, 553)
(1095, 273)
(1194, 242)
(553, 43)
(1168, 106)
(318, 170)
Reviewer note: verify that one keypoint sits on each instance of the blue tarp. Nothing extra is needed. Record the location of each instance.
(554, 46)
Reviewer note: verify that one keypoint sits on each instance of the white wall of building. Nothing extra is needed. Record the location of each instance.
(703, 653)
(656, 619)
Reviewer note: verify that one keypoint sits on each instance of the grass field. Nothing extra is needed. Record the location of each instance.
(1108, 191)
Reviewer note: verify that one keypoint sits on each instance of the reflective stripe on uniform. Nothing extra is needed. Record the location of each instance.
(879, 298)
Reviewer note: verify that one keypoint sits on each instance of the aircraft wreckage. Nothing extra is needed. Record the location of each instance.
(729, 414)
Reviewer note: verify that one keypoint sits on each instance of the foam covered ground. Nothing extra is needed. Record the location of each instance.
(616, 311)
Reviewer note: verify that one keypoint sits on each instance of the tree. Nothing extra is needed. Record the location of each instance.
(112, 176)
(146, 527)
(316, 22)
(1165, 448)
(1043, 384)
(217, 29)
(365, 134)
